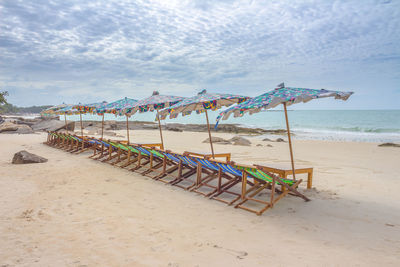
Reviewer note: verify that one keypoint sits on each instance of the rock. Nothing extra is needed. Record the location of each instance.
(8, 126)
(267, 139)
(280, 140)
(110, 125)
(259, 145)
(24, 157)
(389, 145)
(24, 129)
(53, 125)
(240, 141)
(269, 145)
(174, 129)
(217, 140)
(109, 133)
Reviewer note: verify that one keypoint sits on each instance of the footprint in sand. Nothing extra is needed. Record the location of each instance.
(239, 254)
(27, 215)
(43, 216)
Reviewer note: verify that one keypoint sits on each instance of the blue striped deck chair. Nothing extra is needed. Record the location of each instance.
(112, 151)
(177, 169)
(103, 147)
(222, 183)
(263, 181)
(184, 180)
(216, 182)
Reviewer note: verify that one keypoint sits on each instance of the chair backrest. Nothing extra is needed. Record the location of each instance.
(172, 156)
(229, 168)
(187, 160)
(208, 164)
(260, 175)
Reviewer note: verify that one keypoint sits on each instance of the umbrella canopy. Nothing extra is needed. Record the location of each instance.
(119, 107)
(154, 102)
(53, 109)
(280, 95)
(90, 108)
(68, 110)
(201, 102)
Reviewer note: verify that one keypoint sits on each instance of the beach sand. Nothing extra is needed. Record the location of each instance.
(74, 211)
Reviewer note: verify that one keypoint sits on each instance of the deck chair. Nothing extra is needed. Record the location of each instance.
(263, 180)
(219, 181)
(174, 170)
(100, 149)
(149, 160)
(81, 144)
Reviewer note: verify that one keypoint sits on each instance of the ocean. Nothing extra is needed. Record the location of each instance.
(337, 125)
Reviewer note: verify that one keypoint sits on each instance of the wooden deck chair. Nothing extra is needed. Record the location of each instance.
(81, 144)
(131, 157)
(217, 182)
(263, 181)
(152, 163)
(173, 169)
(100, 150)
(112, 151)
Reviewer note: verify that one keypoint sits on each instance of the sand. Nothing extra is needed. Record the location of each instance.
(74, 211)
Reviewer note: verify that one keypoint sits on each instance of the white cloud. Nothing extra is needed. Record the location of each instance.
(111, 49)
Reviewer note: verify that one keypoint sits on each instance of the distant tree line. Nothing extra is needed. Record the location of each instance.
(6, 107)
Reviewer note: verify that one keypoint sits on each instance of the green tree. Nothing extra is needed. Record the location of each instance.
(3, 97)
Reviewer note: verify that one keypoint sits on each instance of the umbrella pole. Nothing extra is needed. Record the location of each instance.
(80, 114)
(65, 119)
(209, 134)
(127, 128)
(290, 141)
(102, 127)
(159, 126)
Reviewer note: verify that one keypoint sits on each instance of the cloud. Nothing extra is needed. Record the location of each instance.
(111, 49)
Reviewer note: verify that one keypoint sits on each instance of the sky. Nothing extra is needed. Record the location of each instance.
(87, 51)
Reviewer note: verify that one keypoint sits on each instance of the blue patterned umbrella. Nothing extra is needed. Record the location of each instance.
(201, 103)
(155, 102)
(281, 95)
(120, 107)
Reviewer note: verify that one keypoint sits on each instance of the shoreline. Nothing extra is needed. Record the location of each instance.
(238, 128)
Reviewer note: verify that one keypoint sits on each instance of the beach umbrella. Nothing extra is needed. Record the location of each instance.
(92, 109)
(155, 102)
(201, 103)
(281, 95)
(52, 111)
(68, 110)
(119, 108)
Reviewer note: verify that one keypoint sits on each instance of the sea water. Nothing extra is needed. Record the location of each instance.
(338, 125)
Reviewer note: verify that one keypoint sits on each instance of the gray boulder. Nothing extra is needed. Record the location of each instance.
(53, 125)
(174, 129)
(8, 126)
(109, 133)
(217, 140)
(24, 129)
(24, 157)
(389, 145)
(110, 125)
(240, 141)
